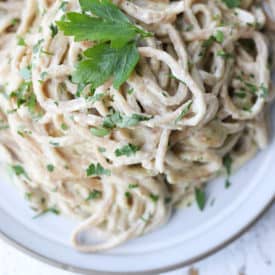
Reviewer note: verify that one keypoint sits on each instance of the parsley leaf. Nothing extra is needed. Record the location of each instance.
(232, 3)
(127, 150)
(102, 62)
(200, 198)
(100, 131)
(104, 9)
(97, 170)
(50, 167)
(48, 210)
(95, 194)
(184, 111)
(116, 119)
(115, 54)
(227, 163)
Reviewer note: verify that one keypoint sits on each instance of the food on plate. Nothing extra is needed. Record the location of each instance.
(118, 112)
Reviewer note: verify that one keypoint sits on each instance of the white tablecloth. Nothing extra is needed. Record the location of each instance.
(252, 254)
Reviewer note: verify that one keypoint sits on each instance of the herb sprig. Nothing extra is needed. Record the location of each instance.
(115, 53)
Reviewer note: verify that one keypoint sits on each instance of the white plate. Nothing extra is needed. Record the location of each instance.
(188, 236)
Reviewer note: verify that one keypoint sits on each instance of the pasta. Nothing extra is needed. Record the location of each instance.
(195, 104)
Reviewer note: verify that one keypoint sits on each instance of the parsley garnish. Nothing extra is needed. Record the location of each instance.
(48, 210)
(100, 131)
(227, 163)
(127, 150)
(232, 3)
(19, 170)
(133, 185)
(184, 112)
(224, 54)
(200, 198)
(95, 194)
(54, 30)
(21, 41)
(116, 119)
(50, 167)
(154, 197)
(97, 170)
(115, 54)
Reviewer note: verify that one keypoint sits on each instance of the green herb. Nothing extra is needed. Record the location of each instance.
(102, 61)
(21, 41)
(48, 210)
(14, 21)
(127, 150)
(63, 6)
(240, 94)
(64, 126)
(232, 3)
(107, 24)
(184, 112)
(50, 167)
(128, 195)
(224, 54)
(174, 77)
(219, 36)
(115, 54)
(18, 170)
(200, 198)
(97, 170)
(133, 185)
(263, 90)
(130, 91)
(154, 197)
(100, 131)
(54, 30)
(116, 119)
(53, 143)
(227, 163)
(101, 149)
(95, 194)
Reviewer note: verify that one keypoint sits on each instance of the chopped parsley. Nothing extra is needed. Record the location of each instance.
(184, 112)
(100, 131)
(128, 194)
(116, 119)
(127, 150)
(64, 126)
(232, 3)
(52, 210)
(95, 194)
(227, 163)
(200, 198)
(97, 170)
(50, 167)
(224, 54)
(54, 30)
(18, 170)
(21, 41)
(154, 197)
(133, 185)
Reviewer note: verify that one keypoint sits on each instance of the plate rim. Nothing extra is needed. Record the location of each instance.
(71, 268)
